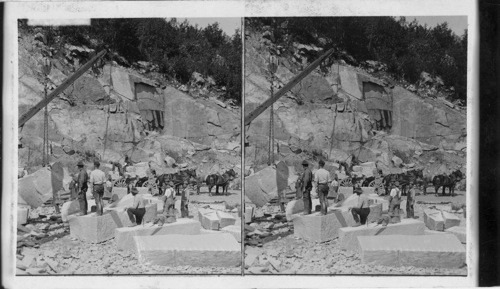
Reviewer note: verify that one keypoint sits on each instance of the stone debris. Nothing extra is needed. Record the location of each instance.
(22, 215)
(321, 228)
(220, 250)
(444, 251)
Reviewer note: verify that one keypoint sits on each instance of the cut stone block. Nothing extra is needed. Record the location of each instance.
(205, 250)
(459, 232)
(208, 219)
(120, 192)
(95, 229)
(437, 251)
(22, 215)
(225, 219)
(248, 214)
(318, 228)
(125, 236)
(128, 200)
(69, 208)
(233, 230)
(205, 231)
(376, 199)
(29, 193)
(143, 190)
(432, 232)
(348, 235)
(261, 187)
(297, 206)
(450, 220)
(375, 213)
(434, 220)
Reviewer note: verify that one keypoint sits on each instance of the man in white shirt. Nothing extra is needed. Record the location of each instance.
(394, 199)
(362, 210)
(169, 203)
(97, 181)
(138, 209)
(322, 179)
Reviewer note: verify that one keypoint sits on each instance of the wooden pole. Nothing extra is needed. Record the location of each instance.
(35, 109)
(261, 108)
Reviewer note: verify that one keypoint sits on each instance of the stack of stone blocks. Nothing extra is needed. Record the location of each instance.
(399, 244)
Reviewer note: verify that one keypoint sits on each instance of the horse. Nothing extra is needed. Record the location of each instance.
(218, 180)
(178, 178)
(447, 181)
(403, 179)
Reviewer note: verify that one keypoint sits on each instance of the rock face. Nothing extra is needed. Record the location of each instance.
(121, 112)
(346, 111)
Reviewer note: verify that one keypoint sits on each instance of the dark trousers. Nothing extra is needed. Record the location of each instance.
(169, 210)
(306, 198)
(82, 201)
(323, 194)
(410, 212)
(184, 208)
(98, 193)
(360, 215)
(136, 215)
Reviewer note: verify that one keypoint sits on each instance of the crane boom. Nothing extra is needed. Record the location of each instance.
(261, 108)
(35, 109)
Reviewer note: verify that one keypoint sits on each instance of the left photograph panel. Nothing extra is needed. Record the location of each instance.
(129, 149)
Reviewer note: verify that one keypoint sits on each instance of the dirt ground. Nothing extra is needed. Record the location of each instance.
(53, 251)
(275, 250)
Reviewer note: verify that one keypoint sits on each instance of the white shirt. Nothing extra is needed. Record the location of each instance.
(169, 192)
(322, 176)
(335, 183)
(97, 177)
(395, 192)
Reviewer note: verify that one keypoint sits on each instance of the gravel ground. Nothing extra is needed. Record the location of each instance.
(49, 249)
(271, 248)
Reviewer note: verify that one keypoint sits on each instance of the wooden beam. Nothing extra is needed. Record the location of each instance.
(35, 109)
(261, 108)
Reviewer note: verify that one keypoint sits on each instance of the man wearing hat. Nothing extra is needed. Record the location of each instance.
(322, 179)
(306, 180)
(362, 210)
(138, 209)
(97, 180)
(82, 187)
(394, 199)
(410, 201)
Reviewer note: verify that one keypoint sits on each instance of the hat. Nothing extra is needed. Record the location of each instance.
(396, 184)
(134, 190)
(358, 190)
(305, 163)
(80, 164)
(96, 163)
(321, 162)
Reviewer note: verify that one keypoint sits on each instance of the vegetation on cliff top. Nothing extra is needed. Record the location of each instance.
(407, 48)
(177, 48)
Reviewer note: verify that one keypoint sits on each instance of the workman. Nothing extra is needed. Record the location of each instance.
(82, 187)
(306, 181)
(362, 210)
(138, 209)
(97, 180)
(169, 202)
(394, 199)
(410, 201)
(322, 180)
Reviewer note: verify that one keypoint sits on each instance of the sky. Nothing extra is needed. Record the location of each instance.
(456, 23)
(228, 25)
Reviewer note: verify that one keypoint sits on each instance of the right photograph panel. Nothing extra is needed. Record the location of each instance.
(355, 145)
